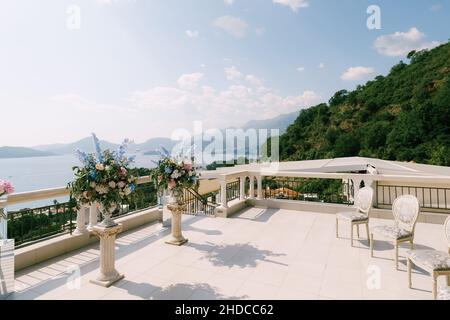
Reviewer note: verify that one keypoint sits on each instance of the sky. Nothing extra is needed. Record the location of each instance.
(145, 68)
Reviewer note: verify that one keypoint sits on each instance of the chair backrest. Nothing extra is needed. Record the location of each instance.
(406, 212)
(363, 199)
(447, 231)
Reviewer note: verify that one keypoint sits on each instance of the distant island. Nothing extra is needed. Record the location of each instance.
(22, 152)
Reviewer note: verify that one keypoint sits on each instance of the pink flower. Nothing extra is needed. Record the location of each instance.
(160, 179)
(188, 166)
(172, 184)
(6, 187)
(123, 171)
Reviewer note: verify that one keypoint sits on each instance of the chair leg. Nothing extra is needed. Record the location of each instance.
(351, 234)
(434, 286)
(357, 230)
(367, 231)
(396, 255)
(337, 228)
(371, 245)
(409, 273)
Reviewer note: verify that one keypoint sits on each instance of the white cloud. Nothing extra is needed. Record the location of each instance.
(228, 2)
(190, 81)
(293, 4)
(192, 33)
(321, 65)
(254, 81)
(260, 31)
(401, 43)
(301, 69)
(232, 73)
(235, 105)
(357, 73)
(232, 25)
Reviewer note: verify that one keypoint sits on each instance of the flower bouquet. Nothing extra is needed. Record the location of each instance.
(104, 179)
(174, 175)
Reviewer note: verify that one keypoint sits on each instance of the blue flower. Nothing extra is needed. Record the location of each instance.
(97, 147)
(93, 174)
(132, 187)
(168, 170)
(83, 157)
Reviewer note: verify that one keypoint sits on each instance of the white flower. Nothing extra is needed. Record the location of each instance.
(100, 167)
(127, 191)
(112, 185)
(93, 184)
(176, 174)
(107, 168)
(121, 184)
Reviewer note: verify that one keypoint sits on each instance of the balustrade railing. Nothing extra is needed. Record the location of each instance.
(197, 204)
(233, 190)
(431, 198)
(31, 224)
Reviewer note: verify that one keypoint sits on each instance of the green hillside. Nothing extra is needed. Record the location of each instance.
(404, 116)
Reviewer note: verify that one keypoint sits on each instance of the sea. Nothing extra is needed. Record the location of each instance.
(29, 174)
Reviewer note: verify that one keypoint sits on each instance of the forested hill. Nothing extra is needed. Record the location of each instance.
(404, 116)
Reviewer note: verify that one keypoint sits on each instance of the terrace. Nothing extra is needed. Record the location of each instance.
(256, 245)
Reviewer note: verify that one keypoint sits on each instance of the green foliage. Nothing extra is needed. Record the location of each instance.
(403, 116)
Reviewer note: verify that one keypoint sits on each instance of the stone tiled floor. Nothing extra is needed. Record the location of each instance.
(257, 254)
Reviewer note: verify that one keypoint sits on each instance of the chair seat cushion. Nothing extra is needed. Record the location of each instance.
(444, 294)
(391, 232)
(432, 260)
(352, 216)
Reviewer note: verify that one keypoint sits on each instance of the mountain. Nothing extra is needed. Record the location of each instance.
(85, 144)
(403, 116)
(280, 122)
(150, 146)
(21, 152)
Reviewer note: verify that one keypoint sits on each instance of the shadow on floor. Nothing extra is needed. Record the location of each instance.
(241, 255)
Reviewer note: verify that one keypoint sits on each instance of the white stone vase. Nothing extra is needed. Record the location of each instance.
(107, 222)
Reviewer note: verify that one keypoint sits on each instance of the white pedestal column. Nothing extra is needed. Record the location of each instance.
(241, 188)
(252, 187)
(81, 221)
(6, 268)
(177, 238)
(93, 216)
(259, 187)
(108, 273)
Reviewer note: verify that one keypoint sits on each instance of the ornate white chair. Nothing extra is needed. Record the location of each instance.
(437, 263)
(360, 215)
(406, 212)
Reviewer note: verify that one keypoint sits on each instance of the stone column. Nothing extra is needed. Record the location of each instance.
(223, 193)
(259, 187)
(108, 273)
(93, 216)
(242, 188)
(177, 238)
(3, 221)
(252, 188)
(81, 220)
